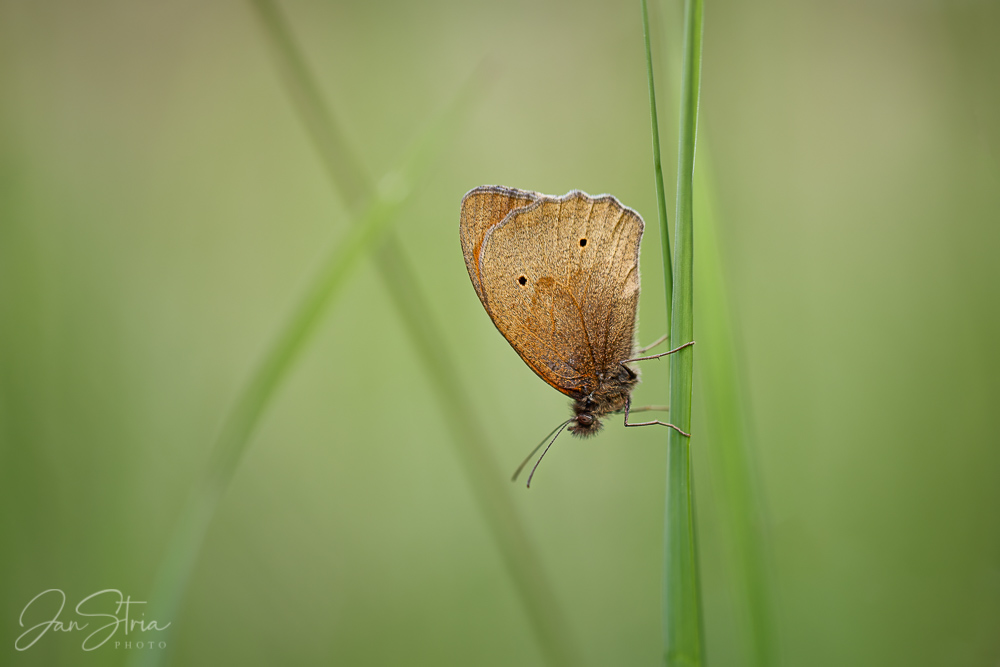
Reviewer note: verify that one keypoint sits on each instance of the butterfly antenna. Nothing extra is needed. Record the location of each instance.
(537, 447)
(546, 451)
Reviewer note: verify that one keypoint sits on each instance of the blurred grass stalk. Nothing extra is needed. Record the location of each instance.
(240, 422)
(730, 433)
(375, 209)
(682, 618)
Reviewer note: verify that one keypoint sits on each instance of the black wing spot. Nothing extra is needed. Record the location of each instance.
(522, 280)
(583, 242)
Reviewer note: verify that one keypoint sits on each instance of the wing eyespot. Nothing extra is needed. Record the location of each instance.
(583, 242)
(523, 281)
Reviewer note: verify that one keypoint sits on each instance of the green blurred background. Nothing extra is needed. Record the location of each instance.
(161, 206)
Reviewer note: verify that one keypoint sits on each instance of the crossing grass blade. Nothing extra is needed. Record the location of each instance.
(469, 435)
(384, 207)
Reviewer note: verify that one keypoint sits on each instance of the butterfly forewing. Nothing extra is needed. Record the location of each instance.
(560, 279)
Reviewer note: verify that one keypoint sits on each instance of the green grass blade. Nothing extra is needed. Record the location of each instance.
(342, 164)
(273, 367)
(469, 435)
(661, 197)
(682, 603)
(729, 431)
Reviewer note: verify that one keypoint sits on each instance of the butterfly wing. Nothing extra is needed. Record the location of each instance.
(560, 278)
(482, 208)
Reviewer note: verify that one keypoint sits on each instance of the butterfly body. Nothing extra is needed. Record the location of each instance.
(611, 396)
(559, 277)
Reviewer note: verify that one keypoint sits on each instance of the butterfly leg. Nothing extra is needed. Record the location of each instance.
(628, 404)
(653, 344)
(648, 408)
(661, 354)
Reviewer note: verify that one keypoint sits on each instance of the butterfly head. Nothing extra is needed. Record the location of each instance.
(586, 419)
(610, 396)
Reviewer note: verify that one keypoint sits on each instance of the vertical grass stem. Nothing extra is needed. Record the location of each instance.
(682, 600)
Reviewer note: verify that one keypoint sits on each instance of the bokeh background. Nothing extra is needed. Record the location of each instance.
(161, 206)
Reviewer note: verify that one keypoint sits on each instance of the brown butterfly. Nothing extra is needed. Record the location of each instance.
(559, 277)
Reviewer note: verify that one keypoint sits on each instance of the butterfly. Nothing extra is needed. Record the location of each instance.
(559, 277)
